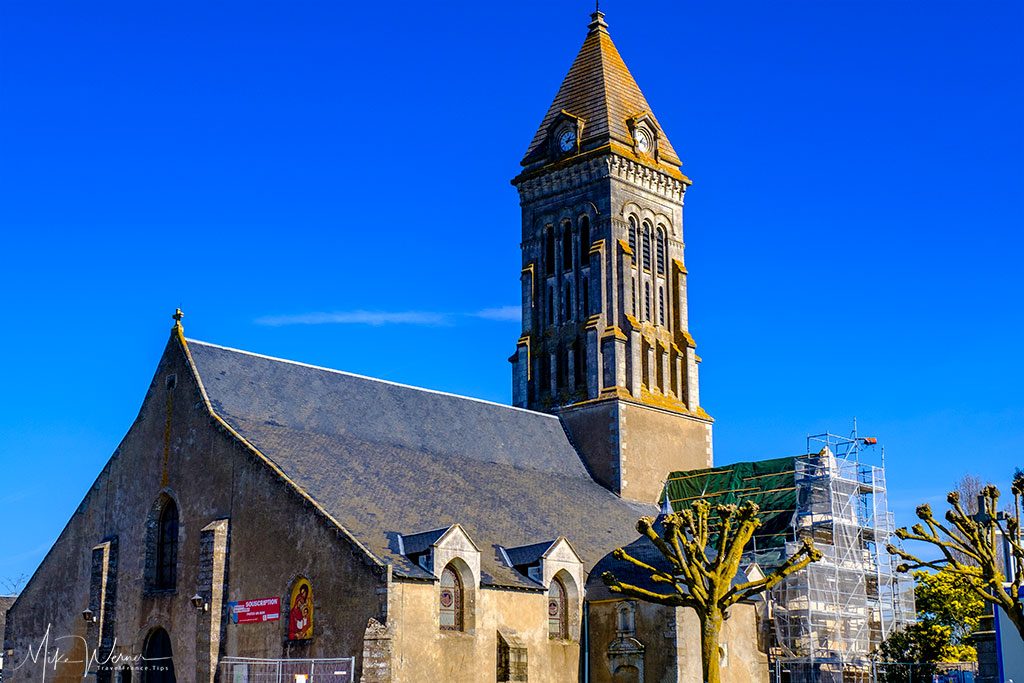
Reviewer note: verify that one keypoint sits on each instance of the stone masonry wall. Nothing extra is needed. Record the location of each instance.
(271, 536)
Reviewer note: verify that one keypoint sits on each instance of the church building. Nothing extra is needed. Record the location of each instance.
(264, 519)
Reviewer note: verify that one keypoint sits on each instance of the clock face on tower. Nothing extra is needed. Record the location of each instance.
(567, 140)
(643, 140)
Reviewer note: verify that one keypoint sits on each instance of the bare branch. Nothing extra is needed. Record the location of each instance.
(970, 547)
(700, 582)
(672, 600)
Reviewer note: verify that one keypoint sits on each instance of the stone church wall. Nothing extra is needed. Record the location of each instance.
(272, 537)
(630, 448)
(658, 644)
(423, 652)
(656, 442)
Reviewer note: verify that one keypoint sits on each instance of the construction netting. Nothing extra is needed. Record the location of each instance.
(769, 483)
(838, 610)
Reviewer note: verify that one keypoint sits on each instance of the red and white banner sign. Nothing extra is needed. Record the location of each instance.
(256, 611)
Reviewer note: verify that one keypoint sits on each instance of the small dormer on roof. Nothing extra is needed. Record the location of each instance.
(434, 550)
(542, 561)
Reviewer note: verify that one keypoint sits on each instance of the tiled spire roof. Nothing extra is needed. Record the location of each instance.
(600, 90)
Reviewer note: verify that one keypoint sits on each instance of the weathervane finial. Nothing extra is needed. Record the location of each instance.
(597, 22)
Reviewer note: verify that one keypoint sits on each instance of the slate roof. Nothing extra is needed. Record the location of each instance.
(528, 554)
(385, 459)
(600, 89)
(414, 544)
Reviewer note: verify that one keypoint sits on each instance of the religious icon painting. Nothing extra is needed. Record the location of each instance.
(300, 610)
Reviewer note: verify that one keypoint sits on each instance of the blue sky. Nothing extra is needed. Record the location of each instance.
(329, 182)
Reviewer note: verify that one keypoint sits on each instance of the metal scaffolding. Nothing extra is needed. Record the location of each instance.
(829, 618)
(823, 622)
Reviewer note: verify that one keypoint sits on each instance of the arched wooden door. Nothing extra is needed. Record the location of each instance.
(158, 662)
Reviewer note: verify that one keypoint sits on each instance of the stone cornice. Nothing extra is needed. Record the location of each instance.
(611, 165)
(654, 181)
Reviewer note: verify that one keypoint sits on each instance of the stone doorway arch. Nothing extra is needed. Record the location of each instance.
(158, 658)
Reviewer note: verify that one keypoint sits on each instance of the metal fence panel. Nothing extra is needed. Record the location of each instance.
(255, 670)
(873, 672)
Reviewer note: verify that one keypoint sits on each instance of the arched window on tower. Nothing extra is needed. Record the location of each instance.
(562, 369)
(661, 305)
(633, 290)
(580, 363)
(632, 238)
(647, 301)
(558, 613)
(661, 250)
(585, 241)
(549, 250)
(167, 548)
(585, 298)
(647, 246)
(567, 246)
(551, 305)
(567, 312)
(545, 375)
(451, 600)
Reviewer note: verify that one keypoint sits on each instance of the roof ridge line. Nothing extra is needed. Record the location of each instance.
(369, 378)
(604, 75)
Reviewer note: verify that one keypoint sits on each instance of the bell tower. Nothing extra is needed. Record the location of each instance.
(605, 343)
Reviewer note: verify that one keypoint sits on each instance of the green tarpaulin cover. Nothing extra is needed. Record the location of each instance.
(769, 483)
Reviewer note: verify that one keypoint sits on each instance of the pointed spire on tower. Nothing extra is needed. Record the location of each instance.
(601, 94)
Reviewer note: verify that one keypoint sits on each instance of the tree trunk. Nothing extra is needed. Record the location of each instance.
(1017, 617)
(710, 633)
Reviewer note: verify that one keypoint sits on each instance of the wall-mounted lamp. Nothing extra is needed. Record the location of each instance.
(199, 602)
(88, 616)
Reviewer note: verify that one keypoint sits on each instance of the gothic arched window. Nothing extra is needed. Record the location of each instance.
(558, 615)
(647, 246)
(567, 312)
(661, 250)
(661, 305)
(626, 622)
(585, 298)
(580, 362)
(549, 250)
(633, 290)
(451, 600)
(167, 548)
(551, 305)
(566, 246)
(632, 238)
(585, 241)
(647, 301)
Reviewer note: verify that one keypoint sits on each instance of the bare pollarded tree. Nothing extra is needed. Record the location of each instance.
(703, 568)
(970, 547)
